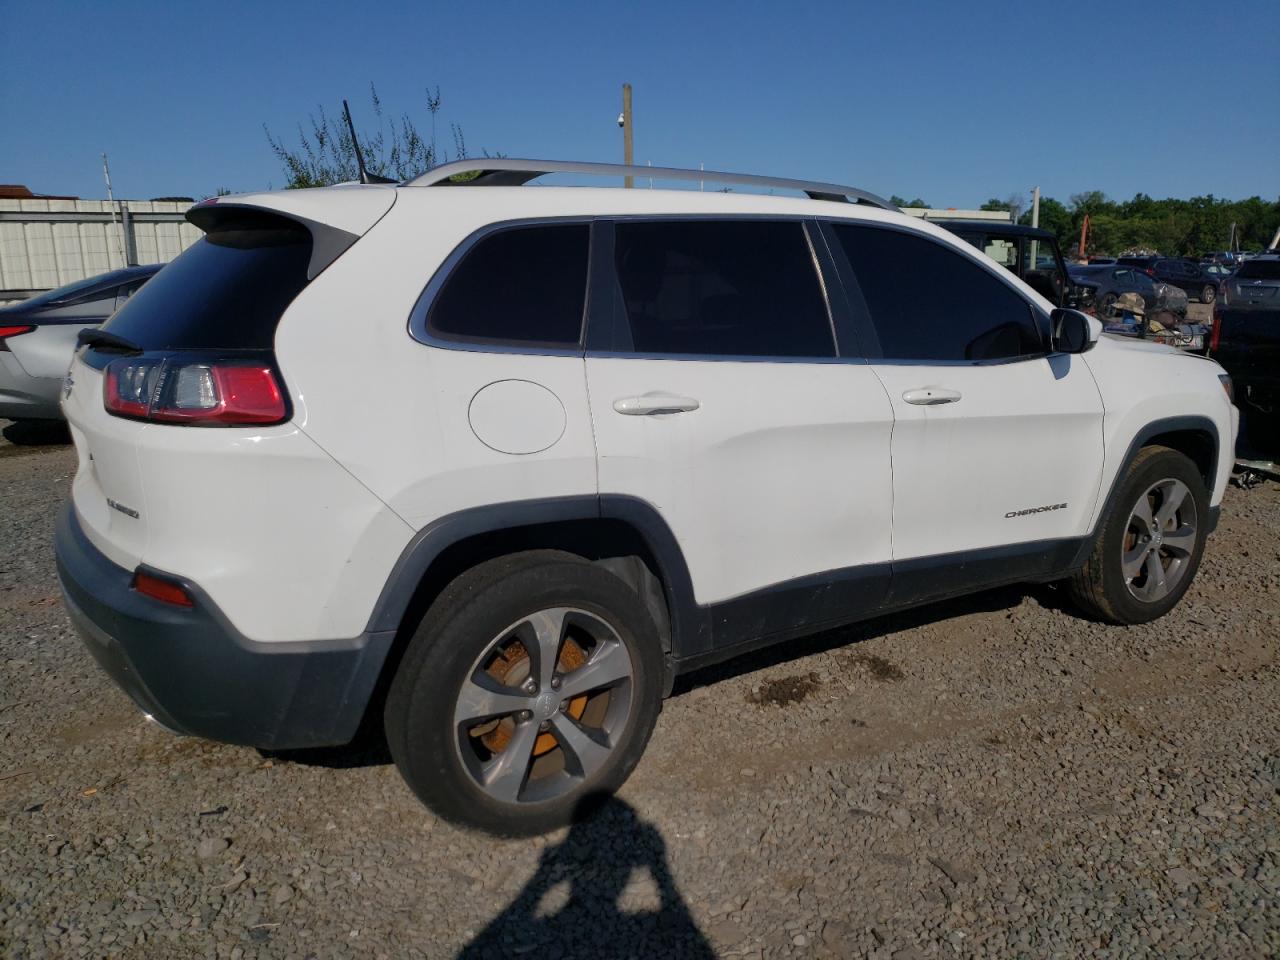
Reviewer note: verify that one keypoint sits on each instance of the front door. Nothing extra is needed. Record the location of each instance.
(997, 446)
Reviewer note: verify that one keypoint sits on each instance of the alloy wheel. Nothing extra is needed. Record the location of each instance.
(544, 705)
(1159, 540)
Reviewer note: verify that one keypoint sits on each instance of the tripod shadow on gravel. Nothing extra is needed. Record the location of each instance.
(597, 863)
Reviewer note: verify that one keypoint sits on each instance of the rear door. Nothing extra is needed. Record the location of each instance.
(997, 445)
(720, 398)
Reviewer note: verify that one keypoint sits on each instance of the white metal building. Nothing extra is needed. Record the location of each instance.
(47, 242)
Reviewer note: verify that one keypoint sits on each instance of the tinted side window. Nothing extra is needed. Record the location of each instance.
(930, 303)
(746, 288)
(525, 285)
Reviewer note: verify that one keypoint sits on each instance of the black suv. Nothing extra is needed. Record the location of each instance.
(1029, 252)
(1177, 272)
(1246, 332)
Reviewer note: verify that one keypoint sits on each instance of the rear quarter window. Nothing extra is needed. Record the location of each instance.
(521, 285)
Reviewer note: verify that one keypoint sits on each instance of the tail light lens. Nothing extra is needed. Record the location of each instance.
(13, 330)
(194, 392)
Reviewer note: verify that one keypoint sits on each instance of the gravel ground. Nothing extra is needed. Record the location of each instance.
(992, 777)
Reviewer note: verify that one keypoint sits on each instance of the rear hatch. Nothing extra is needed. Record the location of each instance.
(191, 355)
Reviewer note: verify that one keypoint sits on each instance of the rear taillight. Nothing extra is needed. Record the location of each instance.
(1215, 334)
(13, 330)
(1223, 297)
(194, 392)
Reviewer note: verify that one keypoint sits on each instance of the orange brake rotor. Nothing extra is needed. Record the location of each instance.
(507, 668)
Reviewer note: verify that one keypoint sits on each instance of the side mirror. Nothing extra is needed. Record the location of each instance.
(1071, 331)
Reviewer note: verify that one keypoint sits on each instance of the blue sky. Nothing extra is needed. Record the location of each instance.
(953, 102)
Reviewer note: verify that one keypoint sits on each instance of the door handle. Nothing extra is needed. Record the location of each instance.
(650, 403)
(931, 396)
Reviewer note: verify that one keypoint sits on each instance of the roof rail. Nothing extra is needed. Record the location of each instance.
(505, 172)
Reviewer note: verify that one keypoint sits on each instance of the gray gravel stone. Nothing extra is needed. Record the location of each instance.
(210, 847)
(991, 777)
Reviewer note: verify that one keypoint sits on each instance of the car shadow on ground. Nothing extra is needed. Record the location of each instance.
(578, 902)
(369, 747)
(36, 433)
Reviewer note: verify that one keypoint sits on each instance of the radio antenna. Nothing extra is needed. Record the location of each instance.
(365, 175)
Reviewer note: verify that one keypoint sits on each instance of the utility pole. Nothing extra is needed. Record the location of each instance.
(106, 173)
(1035, 222)
(627, 142)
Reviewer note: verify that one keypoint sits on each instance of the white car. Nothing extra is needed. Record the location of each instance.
(498, 461)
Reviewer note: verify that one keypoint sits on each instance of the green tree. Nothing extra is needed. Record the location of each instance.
(394, 148)
(898, 201)
(1172, 226)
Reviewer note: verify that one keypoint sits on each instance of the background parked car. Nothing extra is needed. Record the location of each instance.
(1186, 274)
(1100, 286)
(38, 338)
(1219, 271)
(1029, 252)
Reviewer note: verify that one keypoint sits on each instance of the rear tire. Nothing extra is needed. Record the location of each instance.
(491, 732)
(1151, 542)
(1208, 294)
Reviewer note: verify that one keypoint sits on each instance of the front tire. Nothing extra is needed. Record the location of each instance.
(1208, 294)
(531, 686)
(1151, 542)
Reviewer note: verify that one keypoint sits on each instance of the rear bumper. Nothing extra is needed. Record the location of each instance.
(24, 397)
(193, 672)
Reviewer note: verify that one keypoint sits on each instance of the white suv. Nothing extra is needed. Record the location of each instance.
(497, 462)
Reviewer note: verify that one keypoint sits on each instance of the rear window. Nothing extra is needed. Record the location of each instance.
(1259, 270)
(72, 292)
(227, 291)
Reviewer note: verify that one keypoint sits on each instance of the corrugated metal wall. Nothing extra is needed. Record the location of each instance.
(44, 252)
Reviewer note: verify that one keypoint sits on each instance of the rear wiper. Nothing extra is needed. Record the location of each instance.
(107, 342)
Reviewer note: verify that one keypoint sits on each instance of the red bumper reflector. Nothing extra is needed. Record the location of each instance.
(159, 589)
